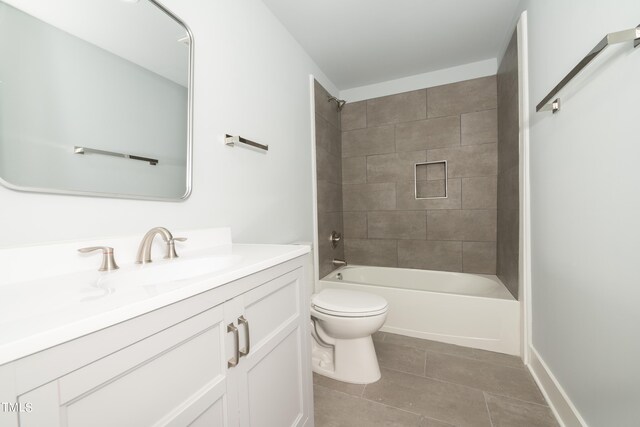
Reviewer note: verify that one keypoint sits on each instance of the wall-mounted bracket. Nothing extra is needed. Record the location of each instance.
(233, 140)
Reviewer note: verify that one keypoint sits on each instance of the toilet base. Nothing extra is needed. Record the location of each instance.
(352, 360)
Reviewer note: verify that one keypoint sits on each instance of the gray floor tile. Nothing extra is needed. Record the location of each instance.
(378, 336)
(463, 387)
(493, 357)
(400, 358)
(490, 377)
(348, 388)
(451, 403)
(335, 409)
(429, 422)
(456, 350)
(507, 412)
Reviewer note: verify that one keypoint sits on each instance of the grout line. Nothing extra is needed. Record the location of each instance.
(462, 255)
(333, 390)
(474, 388)
(523, 367)
(395, 145)
(426, 224)
(396, 251)
(366, 224)
(366, 168)
(438, 420)
(424, 374)
(366, 113)
(403, 410)
(518, 400)
(486, 405)
(475, 145)
(395, 407)
(426, 103)
(443, 381)
(465, 385)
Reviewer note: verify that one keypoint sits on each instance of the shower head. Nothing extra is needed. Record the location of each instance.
(339, 102)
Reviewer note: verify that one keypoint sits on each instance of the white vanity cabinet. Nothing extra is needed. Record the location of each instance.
(271, 377)
(171, 367)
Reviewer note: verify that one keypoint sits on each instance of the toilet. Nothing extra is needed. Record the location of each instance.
(342, 322)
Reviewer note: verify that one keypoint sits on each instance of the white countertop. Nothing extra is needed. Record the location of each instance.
(47, 311)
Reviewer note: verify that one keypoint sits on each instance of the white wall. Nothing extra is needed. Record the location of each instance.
(251, 78)
(473, 70)
(585, 206)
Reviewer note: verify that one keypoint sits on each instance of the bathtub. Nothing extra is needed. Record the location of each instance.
(471, 310)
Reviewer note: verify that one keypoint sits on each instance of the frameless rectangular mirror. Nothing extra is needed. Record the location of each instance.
(95, 98)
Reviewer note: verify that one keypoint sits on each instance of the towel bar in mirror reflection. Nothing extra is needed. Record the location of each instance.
(86, 150)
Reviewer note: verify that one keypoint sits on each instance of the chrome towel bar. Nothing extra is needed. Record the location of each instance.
(85, 150)
(609, 39)
(233, 140)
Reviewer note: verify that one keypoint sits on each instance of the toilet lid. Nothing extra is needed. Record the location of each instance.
(348, 302)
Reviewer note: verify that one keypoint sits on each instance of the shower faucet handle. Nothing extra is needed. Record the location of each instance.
(335, 239)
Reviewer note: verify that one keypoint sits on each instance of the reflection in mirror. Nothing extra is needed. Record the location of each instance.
(95, 98)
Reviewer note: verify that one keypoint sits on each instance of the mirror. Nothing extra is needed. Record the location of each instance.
(95, 98)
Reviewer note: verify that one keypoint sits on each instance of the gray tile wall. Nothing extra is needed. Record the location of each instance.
(382, 139)
(508, 168)
(329, 177)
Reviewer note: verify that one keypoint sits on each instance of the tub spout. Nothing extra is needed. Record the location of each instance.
(339, 262)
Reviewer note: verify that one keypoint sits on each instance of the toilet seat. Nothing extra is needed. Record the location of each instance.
(346, 303)
(347, 314)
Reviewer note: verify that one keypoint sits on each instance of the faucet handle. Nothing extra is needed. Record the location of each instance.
(108, 260)
(335, 239)
(171, 247)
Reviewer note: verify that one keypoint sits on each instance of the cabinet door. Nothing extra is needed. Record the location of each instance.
(176, 377)
(273, 377)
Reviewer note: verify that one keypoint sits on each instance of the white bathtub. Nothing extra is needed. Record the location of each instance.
(472, 310)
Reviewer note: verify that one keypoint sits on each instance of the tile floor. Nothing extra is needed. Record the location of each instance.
(431, 384)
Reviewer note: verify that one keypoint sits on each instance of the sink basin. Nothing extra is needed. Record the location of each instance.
(165, 272)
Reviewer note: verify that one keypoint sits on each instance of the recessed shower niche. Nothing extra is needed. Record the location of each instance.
(431, 180)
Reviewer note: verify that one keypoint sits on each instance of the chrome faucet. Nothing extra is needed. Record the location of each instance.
(144, 250)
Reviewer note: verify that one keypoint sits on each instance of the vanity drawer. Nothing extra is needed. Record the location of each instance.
(170, 378)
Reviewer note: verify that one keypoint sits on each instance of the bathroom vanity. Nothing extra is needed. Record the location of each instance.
(223, 345)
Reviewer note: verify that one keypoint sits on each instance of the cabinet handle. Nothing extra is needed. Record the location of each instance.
(244, 322)
(236, 338)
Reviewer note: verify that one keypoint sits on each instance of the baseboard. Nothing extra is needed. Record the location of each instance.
(562, 407)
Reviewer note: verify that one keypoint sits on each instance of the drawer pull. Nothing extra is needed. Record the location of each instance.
(244, 322)
(236, 338)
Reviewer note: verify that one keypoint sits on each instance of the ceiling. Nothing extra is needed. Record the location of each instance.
(360, 42)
